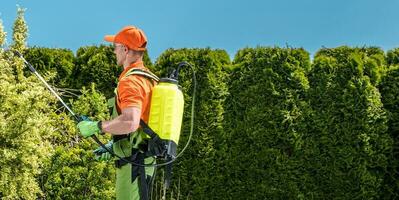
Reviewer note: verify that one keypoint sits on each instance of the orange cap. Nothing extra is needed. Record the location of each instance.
(130, 36)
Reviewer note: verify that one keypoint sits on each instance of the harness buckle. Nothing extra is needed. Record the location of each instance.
(119, 163)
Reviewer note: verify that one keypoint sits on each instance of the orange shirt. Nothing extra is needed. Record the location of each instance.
(135, 91)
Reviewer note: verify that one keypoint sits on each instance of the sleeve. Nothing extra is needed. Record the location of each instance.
(130, 93)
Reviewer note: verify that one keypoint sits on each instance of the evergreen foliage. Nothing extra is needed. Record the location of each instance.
(56, 63)
(72, 172)
(393, 57)
(265, 124)
(389, 89)
(24, 121)
(347, 140)
(269, 125)
(199, 164)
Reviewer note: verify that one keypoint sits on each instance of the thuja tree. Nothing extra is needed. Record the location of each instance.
(56, 63)
(24, 105)
(3, 34)
(373, 56)
(95, 65)
(392, 57)
(389, 88)
(72, 172)
(264, 124)
(347, 141)
(197, 173)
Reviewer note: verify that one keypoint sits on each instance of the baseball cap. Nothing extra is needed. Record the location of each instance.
(134, 38)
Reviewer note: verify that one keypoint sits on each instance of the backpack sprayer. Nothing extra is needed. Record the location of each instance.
(166, 114)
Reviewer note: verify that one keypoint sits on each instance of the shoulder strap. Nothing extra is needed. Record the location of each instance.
(143, 73)
(149, 76)
(134, 71)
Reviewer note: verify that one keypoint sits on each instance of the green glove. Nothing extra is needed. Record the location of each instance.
(103, 157)
(102, 154)
(89, 128)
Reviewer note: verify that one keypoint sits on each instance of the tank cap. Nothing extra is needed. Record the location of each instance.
(168, 80)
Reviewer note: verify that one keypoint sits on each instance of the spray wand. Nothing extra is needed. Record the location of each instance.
(33, 70)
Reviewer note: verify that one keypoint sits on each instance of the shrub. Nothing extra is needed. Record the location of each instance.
(347, 141)
(264, 123)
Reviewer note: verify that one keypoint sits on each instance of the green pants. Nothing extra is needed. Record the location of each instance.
(125, 188)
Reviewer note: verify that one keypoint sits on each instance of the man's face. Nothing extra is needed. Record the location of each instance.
(120, 52)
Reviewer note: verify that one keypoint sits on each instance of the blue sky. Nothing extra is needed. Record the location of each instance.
(223, 24)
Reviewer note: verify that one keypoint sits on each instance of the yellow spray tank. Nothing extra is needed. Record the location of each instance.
(166, 113)
(166, 116)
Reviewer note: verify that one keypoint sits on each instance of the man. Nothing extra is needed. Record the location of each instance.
(131, 103)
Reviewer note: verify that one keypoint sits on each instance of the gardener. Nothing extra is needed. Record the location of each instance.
(131, 103)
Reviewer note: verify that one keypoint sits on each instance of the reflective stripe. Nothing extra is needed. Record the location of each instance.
(142, 73)
(150, 76)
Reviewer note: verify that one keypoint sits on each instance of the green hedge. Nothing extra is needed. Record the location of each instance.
(264, 124)
(270, 125)
(392, 57)
(197, 174)
(373, 59)
(390, 98)
(347, 144)
(96, 65)
(58, 63)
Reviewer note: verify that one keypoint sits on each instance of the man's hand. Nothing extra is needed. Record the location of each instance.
(102, 154)
(103, 157)
(88, 128)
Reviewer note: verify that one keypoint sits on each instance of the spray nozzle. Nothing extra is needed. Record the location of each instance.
(15, 52)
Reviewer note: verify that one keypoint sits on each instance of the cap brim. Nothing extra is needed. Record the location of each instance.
(109, 38)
